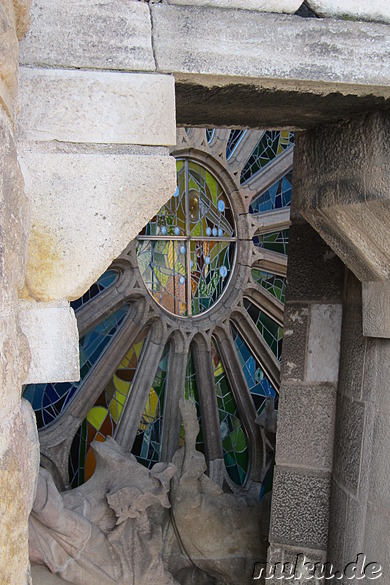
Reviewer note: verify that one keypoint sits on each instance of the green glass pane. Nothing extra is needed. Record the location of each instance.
(234, 439)
(274, 284)
(269, 329)
(147, 444)
(191, 393)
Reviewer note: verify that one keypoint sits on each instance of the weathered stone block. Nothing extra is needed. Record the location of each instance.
(86, 207)
(341, 188)
(295, 332)
(300, 508)
(380, 462)
(324, 343)
(288, 6)
(314, 272)
(376, 309)
(352, 10)
(349, 434)
(73, 33)
(97, 106)
(312, 446)
(337, 525)
(376, 545)
(231, 43)
(52, 335)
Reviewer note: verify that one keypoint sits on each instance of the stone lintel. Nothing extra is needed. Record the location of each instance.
(97, 107)
(376, 309)
(283, 6)
(226, 59)
(51, 331)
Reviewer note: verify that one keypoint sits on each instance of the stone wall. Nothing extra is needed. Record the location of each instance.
(19, 456)
(307, 407)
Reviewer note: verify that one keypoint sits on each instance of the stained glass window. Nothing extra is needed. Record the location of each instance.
(234, 439)
(147, 444)
(271, 145)
(191, 393)
(51, 400)
(273, 283)
(276, 197)
(269, 329)
(105, 281)
(210, 132)
(258, 382)
(234, 140)
(274, 241)
(103, 418)
(186, 252)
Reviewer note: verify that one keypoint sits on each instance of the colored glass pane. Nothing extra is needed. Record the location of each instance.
(185, 254)
(274, 284)
(276, 197)
(272, 144)
(105, 281)
(274, 241)
(234, 439)
(269, 329)
(234, 140)
(147, 444)
(258, 382)
(51, 400)
(103, 418)
(191, 393)
(210, 134)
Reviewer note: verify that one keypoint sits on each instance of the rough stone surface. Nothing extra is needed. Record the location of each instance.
(349, 442)
(376, 309)
(341, 188)
(22, 16)
(42, 576)
(89, 34)
(295, 331)
(287, 6)
(324, 343)
(300, 508)
(52, 335)
(314, 272)
(69, 251)
(352, 9)
(120, 538)
(9, 59)
(189, 40)
(376, 544)
(312, 446)
(97, 107)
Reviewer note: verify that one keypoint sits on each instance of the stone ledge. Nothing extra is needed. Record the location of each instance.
(72, 33)
(222, 44)
(375, 10)
(85, 208)
(97, 107)
(51, 331)
(281, 6)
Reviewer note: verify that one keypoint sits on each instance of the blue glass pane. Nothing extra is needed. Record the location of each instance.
(105, 281)
(51, 400)
(234, 140)
(258, 382)
(276, 197)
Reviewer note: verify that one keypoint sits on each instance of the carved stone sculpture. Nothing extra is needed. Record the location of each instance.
(128, 524)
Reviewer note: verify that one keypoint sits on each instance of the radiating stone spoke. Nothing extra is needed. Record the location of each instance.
(207, 398)
(269, 261)
(257, 345)
(243, 151)
(242, 397)
(264, 223)
(265, 300)
(274, 171)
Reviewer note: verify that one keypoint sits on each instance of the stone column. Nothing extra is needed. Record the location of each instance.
(19, 453)
(304, 446)
(342, 188)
